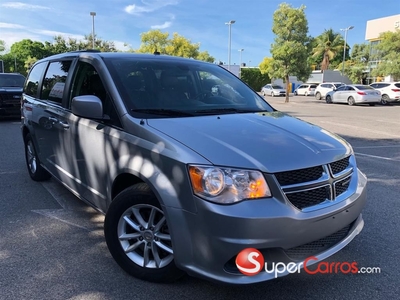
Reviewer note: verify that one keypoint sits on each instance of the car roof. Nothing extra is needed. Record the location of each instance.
(95, 53)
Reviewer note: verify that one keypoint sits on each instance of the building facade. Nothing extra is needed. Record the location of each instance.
(373, 30)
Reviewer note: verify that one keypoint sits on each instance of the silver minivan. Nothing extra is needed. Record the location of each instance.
(191, 167)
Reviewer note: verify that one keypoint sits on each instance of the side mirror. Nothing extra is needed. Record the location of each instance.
(87, 106)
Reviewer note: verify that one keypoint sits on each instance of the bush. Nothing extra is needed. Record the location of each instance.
(254, 78)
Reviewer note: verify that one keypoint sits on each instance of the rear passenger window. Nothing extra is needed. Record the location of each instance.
(54, 81)
(32, 83)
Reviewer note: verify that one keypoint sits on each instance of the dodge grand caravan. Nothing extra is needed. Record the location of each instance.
(189, 165)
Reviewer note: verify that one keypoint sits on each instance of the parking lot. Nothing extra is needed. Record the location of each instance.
(52, 245)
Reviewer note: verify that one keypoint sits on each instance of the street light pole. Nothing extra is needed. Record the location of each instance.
(345, 43)
(93, 14)
(240, 65)
(229, 43)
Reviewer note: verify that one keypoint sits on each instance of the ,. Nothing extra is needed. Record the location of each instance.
(273, 90)
(323, 88)
(305, 89)
(189, 165)
(10, 94)
(390, 91)
(354, 94)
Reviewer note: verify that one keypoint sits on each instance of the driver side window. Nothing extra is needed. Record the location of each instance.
(87, 81)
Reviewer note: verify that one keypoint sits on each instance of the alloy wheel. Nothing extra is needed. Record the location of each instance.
(143, 234)
(31, 157)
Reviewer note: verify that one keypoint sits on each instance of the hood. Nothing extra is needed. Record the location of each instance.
(270, 142)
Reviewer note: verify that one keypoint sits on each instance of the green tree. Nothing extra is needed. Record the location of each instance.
(62, 44)
(2, 45)
(155, 40)
(388, 51)
(328, 47)
(357, 66)
(254, 78)
(290, 50)
(264, 65)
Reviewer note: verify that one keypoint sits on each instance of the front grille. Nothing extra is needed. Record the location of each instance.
(299, 176)
(342, 186)
(340, 165)
(309, 198)
(306, 250)
(8, 99)
(311, 186)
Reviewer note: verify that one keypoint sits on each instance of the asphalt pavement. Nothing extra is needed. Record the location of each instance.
(52, 245)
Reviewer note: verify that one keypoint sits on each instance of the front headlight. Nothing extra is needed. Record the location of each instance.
(225, 185)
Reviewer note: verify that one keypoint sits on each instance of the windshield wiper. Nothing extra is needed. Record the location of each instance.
(162, 111)
(224, 110)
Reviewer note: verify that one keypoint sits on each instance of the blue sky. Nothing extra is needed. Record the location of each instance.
(200, 21)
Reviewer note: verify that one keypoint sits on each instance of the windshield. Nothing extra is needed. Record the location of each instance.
(338, 85)
(178, 88)
(11, 80)
(278, 87)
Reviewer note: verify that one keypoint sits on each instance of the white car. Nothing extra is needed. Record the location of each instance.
(323, 88)
(305, 89)
(390, 91)
(273, 90)
(354, 94)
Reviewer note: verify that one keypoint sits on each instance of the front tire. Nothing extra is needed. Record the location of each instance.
(138, 237)
(328, 99)
(385, 99)
(295, 93)
(318, 96)
(35, 170)
(272, 94)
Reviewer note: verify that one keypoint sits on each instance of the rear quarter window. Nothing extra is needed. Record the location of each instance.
(32, 82)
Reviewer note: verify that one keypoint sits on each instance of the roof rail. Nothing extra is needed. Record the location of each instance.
(85, 50)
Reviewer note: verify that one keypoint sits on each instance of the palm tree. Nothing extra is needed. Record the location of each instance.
(328, 45)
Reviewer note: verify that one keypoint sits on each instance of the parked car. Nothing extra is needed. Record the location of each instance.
(354, 94)
(323, 88)
(190, 166)
(305, 89)
(10, 94)
(273, 90)
(390, 91)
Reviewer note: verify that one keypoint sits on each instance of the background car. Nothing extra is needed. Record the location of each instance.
(10, 93)
(273, 90)
(390, 91)
(323, 88)
(305, 89)
(354, 94)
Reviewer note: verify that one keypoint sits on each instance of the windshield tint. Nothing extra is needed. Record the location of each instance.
(338, 85)
(277, 87)
(8, 80)
(183, 86)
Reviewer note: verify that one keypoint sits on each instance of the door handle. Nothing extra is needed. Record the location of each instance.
(54, 120)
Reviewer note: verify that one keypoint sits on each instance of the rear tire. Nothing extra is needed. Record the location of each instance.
(35, 169)
(138, 237)
(351, 101)
(318, 96)
(272, 95)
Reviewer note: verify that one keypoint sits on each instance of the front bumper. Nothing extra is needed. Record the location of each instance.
(207, 243)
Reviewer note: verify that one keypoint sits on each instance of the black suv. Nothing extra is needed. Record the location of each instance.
(10, 93)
